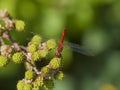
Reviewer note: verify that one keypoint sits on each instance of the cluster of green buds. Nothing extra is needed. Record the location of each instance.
(37, 51)
(7, 23)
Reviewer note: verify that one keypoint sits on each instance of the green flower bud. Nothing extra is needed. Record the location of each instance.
(59, 75)
(38, 83)
(43, 53)
(29, 74)
(45, 70)
(36, 39)
(19, 25)
(51, 44)
(3, 61)
(35, 56)
(55, 63)
(20, 85)
(18, 57)
(48, 84)
(32, 48)
(27, 87)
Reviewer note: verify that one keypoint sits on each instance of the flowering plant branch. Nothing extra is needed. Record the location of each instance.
(34, 52)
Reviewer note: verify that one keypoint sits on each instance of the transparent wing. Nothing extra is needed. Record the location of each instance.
(79, 49)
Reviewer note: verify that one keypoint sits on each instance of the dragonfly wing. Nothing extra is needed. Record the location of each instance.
(80, 49)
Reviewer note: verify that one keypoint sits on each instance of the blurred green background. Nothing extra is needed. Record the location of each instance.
(94, 24)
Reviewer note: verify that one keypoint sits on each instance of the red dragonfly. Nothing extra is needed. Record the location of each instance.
(75, 47)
